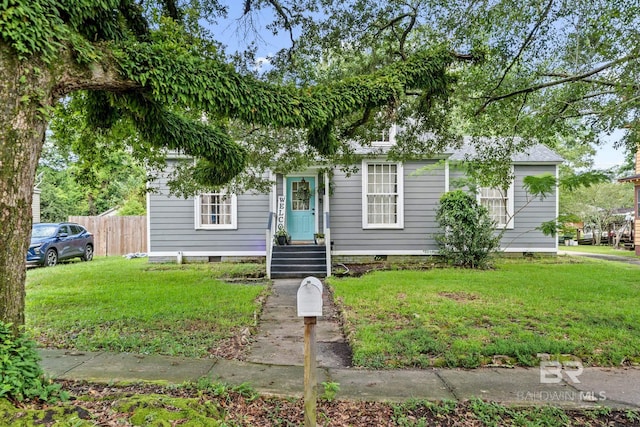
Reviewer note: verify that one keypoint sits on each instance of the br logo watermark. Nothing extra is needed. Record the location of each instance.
(568, 369)
(554, 371)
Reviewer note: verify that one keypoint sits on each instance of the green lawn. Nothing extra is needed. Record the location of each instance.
(600, 249)
(454, 317)
(129, 305)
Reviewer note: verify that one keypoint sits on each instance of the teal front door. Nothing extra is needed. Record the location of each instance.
(301, 207)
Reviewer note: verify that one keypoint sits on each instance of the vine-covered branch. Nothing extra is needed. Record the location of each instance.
(212, 86)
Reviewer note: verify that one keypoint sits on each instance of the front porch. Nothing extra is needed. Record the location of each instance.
(301, 213)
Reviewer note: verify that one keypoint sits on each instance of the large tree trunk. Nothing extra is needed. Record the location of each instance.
(28, 89)
(22, 129)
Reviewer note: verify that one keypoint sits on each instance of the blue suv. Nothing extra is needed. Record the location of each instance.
(51, 243)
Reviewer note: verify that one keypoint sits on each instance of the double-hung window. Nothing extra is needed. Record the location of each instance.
(499, 204)
(216, 211)
(382, 190)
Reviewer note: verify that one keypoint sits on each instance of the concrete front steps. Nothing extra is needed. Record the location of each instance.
(298, 261)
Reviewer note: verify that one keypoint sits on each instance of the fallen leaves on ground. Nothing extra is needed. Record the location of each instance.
(102, 405)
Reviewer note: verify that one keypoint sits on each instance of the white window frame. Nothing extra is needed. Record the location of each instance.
(234, 213)
(399, 224)
(509, 208)
(387, 137)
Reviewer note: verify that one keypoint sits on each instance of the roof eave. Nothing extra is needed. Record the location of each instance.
(633, 178)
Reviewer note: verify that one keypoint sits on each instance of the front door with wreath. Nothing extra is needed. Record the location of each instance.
(301, 207)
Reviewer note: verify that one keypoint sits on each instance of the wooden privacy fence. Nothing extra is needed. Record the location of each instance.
(116, 235)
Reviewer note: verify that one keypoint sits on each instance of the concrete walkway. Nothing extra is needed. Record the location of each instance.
(275, 366)
(280, 338)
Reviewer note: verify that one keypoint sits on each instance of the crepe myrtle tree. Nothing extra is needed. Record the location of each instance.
(153, 64)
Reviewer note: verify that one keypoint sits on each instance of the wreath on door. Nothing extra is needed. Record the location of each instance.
(303, 192)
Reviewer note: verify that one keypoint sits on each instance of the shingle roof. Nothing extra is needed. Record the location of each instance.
(536, 153)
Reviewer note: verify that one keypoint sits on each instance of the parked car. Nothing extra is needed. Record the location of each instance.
(52, 242)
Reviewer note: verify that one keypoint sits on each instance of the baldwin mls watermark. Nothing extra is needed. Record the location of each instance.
(561, 396)
(556, 371)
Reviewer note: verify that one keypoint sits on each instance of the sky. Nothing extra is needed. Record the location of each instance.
(235, 31)
(606, 155)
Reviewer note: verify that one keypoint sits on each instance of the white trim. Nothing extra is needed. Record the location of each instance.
(510, 225)
(557, 202)
(234, 215)
(391, 140)
(427, 252)
(326, 229)
(400, 203)
(386, 252)
(534, 163)
(148, 219)
(511, 205)
(316, 204)
(273, 191)
(533, 250)
(273, 203)
(446, 176)
(310, 173)
(174, 254)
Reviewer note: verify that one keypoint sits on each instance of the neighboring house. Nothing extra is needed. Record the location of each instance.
(635, 179)
(383, 210)
(110, 212)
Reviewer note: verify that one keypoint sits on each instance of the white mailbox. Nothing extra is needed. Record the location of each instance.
(310, 297)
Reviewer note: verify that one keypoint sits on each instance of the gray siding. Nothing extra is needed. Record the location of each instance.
(530, 213)
(172, 226)
(421, 197)
(172, 220)
(421, 194)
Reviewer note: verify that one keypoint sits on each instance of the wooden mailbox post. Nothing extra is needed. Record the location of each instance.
(310, 307)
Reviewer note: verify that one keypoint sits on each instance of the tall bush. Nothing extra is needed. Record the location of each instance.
(468, 237)
(21, 377)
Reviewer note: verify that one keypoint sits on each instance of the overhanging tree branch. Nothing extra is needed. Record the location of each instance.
(524, 45)
(282, 11)
(569, 102)
(568, 79)
(98, 76)
(392, 22)
(624, 85)
(405, 33)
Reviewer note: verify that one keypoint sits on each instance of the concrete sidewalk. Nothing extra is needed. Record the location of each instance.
(275, 366)
(615, 388)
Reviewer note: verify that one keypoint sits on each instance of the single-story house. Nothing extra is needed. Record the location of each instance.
(386, 209)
